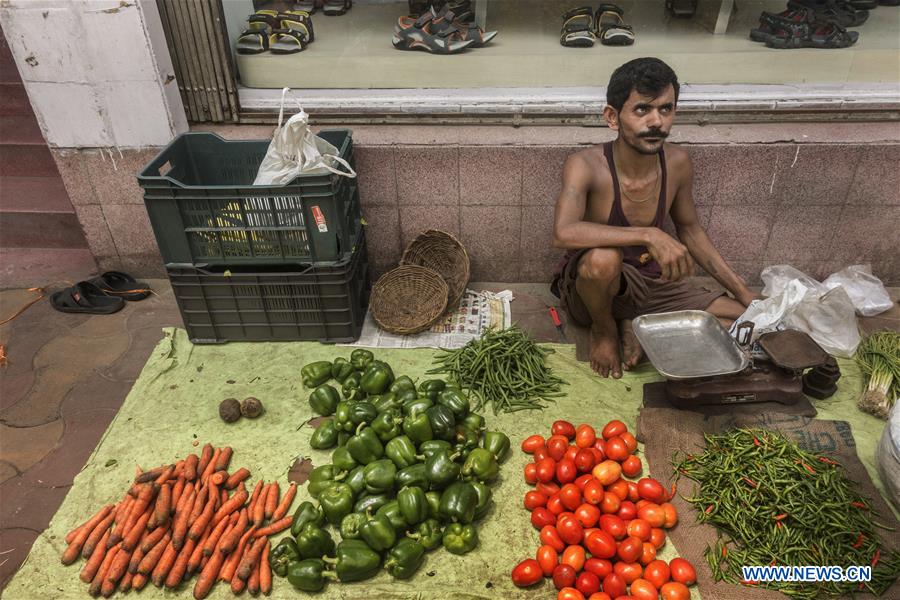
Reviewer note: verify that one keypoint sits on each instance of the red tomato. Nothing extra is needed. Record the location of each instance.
(671, 515)
(570, 496)
(541, 453)
(550, 537)
(541, 517)
(674, 591)
(653, 514)
(610, 503)
(532, 443)
(613, 428)
(637, 503)
(569, 593)
(555, 505)
(600, 544)
(584, 460)
(657, 537)
(563, 576)
(657, 573)
(574, 557)
(641, 589)
(563, 428)
(593, 491)
(557, 446)
(587, 515)
(640, 529)
(546, 470)
(566, 471)
(599, 456)
(633, 492)
(546, 488)
(648, 554)
(599, 566)
(630, 549)
(616, 449)
(627, 510)
(600, 596)
(534, 500)
(630, 441)
(600, 444)
(652, 490)
(682, 571)
(614, 585)
(585, 436)
(631, 466)
(570, 530)
(614, 526)
(619, 487)
(531, 473)
(588, 583)
(582, 481)
(606, 472)
(528, 572)
(547, 557)
(571, 451)
(627, 571)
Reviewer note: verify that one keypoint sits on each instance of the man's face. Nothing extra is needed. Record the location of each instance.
(644, 122)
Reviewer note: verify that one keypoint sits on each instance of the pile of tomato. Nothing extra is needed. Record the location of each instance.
(599, 532)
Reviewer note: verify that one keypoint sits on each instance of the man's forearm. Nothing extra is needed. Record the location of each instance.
(594, 235)
(706, 255)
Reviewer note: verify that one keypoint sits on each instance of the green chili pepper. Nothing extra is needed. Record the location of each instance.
(413, 505)
(307, 512)
(323, 477)
(404, 559)
(365, 447)
(459, 538)
(336, 501)
(378, 533)
(441, 470)
(428, 533)
(325, 436)
(443, 423)
(356, 479)
(370, 503)
(282, 555)
(309, 575)
(341, 368)
(458, 503)
(413, 475)
(387, 425)
(402, 384)
(379, 476)
(324, 399)
(391, 510)
(350, 389)
(342, 460)
(316, 373)
(350, 525)
(376, 379)
(355, 561)
(484, 499)
(314, 541)
(360, 359)
(497, 443)
(455, 401)
(402, 451)
(480, 465)
(418, 428)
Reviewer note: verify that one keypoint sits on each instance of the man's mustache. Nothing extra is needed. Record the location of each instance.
(654, 133)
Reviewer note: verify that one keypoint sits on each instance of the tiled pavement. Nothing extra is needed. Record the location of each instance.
(68, 374)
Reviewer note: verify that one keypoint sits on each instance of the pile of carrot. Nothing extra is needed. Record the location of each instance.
(177, 520)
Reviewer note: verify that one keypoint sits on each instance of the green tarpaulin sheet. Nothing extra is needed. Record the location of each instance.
(172, 410)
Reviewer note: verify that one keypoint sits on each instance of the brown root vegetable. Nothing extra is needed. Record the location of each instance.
(230, 410)
(251, 407)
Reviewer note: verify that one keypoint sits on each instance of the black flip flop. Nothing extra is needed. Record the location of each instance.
(85, 297)
(123, 285)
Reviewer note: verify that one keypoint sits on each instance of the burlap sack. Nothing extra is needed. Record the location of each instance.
(663, 431)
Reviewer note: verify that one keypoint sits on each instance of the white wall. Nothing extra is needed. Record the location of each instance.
(96, 71)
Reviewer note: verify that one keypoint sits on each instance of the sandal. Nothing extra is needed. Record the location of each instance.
(295, 33)
(840, 13)
(770, 24)
(258, 36)
(334, 8)
(307, 6)
(793, 34)
(682, 8)
(446, 19)
(578, 28)
(85, 297)
(417, 34)
(123, 285)
(611, 27)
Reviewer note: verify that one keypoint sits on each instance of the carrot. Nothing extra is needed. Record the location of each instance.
(119, 566)
(154, 536)
(253, 581)
(224, 459)
(272, 499)
(136, 558)
(285, 503)
(205, 456)
(219, 477)
(139, 581)
(199, 504)
(231, 505)
(148, 563)
(151, 475)
(177, 573)
(190, 467)
(90, 523)
(185, 495)
(237, 477)
(163, 477)
(237, 585)
(203, 521)
(177, 489)
(275, 527)
(265, 570)
(125, 584)
(230, 541)
(137, 509)
(231, 565)
(197, 555)
(93, 564)
(180, 525)
(250, 559)
(100, 577)
(134, 536)
(164, 565)
(223, 496)
(213, 538)
(211, 465)
(208, 576)
(255, 495)
(101, 528)
(259, 509)
(162, 507)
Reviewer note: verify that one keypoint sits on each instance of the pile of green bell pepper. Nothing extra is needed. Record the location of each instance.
(410, 471)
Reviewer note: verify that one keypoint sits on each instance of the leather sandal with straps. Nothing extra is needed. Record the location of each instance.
(784, 33)
(336, 7)
(578, 28)
(259, 33)
(295, 33)
(446, 19)
(611, 29)
(417, 34)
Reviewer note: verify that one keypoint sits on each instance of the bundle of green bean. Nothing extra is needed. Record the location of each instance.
(503, 368)
(777, 504)
(878, 357)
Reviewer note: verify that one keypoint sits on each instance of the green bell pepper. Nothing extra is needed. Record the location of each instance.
(341, 368)
(350, 525)
(418, 428)
(481, 465)
(365, 447)
(443, 423)
(324, 399)
(379, 476)
(362, 412)
(314, 542)
(430, 388)
(465, 440)
(315, 373)
(385, 366)
(391, 510)
(325, 436)
(376, 379)
(378, 533)
(336, 501)
(402, 384)
(387, 425)
(456, 401)
(360, 359)
(430, 447)
(440, 470)
(370, 503)
(343, 436)
(415, 406)
(404, 559)
(484, 499)
(434, 504)
(342, 460)
(350, 389)
(413, 475)
(413, 505)
(474, 421)
(309, 575)
(458, 503)
(497, 443)
(282, 555)
(459, 538)
(321, 478)
(402, 451)
(356, 479)
(428, 533)
(387, 401)
(307, 512)
(342, 416)
(355, 561)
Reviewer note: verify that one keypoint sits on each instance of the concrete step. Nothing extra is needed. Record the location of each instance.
(42, 267)
(20, 130)
(14, 100)
(26, 160)
(34, 194)
(8, 70)
(41, 230)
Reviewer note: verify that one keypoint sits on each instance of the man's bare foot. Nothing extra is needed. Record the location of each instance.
(631, 348)
(605, 351)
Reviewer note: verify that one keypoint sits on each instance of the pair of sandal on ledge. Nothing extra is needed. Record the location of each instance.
(583, 26)
(286, 32)
(807, 24)
(443, 32)
(102, 295)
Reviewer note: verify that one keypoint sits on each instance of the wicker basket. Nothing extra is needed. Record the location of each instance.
(442, 252)
(408, 299)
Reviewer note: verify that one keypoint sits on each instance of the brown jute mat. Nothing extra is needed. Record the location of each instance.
(655, 397)
(663, 431)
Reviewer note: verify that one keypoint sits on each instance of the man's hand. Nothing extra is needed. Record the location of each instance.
(673, 256)
(746, 296)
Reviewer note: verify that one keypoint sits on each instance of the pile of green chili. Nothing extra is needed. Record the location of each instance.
(776, 504)
(504, 369)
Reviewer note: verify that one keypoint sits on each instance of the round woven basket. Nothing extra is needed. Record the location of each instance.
(440, 251)
(408, 299)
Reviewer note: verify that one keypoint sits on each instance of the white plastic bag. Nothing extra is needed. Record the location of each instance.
(865, 290)
(295, 149)
(887, 456)
(777, 277)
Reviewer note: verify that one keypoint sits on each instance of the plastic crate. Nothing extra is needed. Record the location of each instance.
(322, 303)
(204, 208)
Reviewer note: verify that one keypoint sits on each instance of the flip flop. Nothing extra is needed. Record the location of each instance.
(85, 297)
(123, 285)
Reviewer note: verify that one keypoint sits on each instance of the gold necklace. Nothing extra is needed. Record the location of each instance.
(653, 192)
